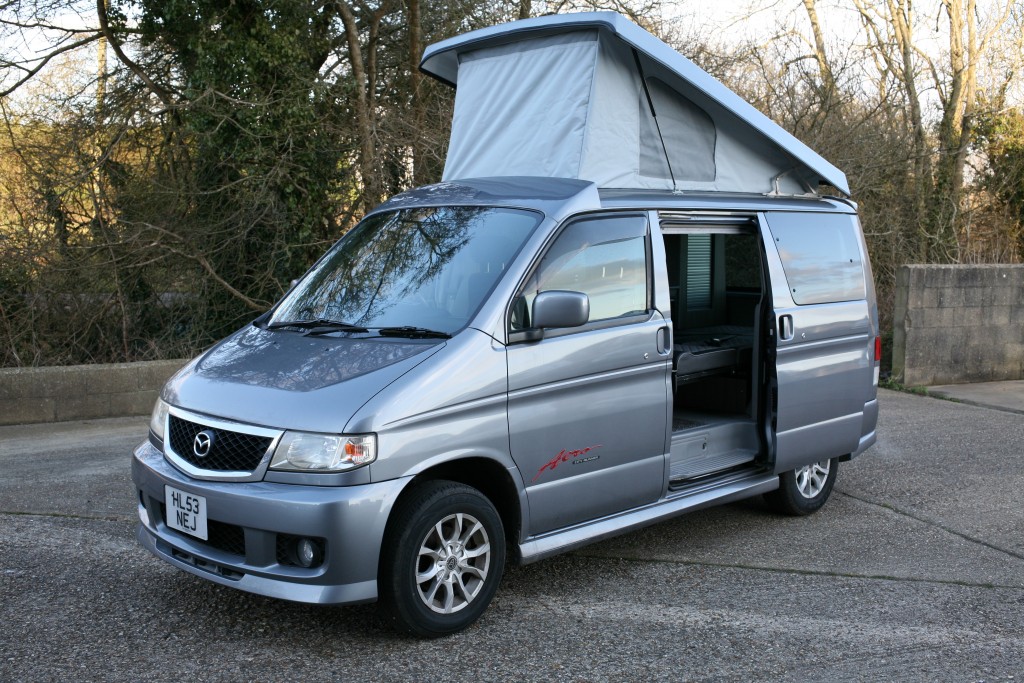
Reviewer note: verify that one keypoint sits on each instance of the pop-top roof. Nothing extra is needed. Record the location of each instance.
(595, 97)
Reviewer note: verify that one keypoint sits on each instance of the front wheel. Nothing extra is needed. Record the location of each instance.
(805, 489)
(442, 560)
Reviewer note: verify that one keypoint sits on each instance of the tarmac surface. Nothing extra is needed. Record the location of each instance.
(913, 571)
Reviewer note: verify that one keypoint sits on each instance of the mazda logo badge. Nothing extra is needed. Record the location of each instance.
(202, 443)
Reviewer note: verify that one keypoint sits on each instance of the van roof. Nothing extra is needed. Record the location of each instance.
(721, 201)
(560, 197)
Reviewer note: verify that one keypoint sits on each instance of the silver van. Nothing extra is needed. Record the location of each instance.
(500, 369)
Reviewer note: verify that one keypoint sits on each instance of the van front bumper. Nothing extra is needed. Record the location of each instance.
(251, 524)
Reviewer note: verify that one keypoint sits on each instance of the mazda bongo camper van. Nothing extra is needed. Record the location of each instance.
(627, 299)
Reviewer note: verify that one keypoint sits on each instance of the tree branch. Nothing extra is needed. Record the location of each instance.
(161, 93)
(45, 60)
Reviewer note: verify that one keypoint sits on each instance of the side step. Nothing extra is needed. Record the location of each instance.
(726, 489)
(692, 468)
(713, 448)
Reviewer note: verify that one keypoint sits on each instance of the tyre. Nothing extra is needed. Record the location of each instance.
(805, 489)
(443, 557)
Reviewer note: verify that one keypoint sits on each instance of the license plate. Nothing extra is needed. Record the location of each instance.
(186, 512)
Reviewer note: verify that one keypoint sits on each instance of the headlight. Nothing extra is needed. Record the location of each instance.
(158, 420)
(306, 452)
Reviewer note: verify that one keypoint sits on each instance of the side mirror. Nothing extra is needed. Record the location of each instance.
(559, 308)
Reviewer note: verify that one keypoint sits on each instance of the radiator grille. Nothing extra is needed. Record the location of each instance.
(228, 450)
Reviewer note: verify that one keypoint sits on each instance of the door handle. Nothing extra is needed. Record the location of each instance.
(785, 327)
(664, 345)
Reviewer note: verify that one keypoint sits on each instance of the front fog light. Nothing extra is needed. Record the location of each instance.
(158, 420)
(305, 452)
(307, 552)
(297, 551)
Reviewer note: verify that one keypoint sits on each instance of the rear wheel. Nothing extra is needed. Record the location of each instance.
(805, 489)
(443, 559)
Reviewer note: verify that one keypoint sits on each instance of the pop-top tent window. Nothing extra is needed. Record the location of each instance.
(570, 96)
(498, 127)
(688, 133)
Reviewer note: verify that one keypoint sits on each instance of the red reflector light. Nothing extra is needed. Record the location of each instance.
(878, 349)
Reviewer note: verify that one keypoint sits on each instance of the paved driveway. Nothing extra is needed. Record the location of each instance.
(913, 571)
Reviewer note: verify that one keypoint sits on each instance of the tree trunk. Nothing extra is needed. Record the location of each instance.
(902, 22)
(101, 77)
(364, 115)
(419, 161)
(969, 101)
(949, 184)
(820, 55)
(952, 103)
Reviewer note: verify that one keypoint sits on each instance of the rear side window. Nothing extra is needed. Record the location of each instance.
(821, 256)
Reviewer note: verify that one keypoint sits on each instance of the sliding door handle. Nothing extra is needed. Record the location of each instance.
(664, 341)
(785, 327)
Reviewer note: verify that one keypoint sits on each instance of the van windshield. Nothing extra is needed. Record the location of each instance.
(425, 269)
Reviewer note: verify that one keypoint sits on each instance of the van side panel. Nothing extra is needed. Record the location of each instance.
(824, 359)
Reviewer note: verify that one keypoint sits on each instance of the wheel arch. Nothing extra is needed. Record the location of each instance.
(495, 481)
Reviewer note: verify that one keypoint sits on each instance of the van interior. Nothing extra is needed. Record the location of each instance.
(717, 291)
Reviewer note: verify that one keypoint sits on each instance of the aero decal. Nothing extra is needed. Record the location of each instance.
(566, 455)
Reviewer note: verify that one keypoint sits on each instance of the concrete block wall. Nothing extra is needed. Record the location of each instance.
(80, 392)
(958, 324)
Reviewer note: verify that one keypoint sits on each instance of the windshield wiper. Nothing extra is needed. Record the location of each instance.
(318, 326)
(412, 332)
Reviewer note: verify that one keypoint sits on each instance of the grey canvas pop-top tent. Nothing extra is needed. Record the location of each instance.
(564, 96)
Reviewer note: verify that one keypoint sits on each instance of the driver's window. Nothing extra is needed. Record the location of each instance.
(605, 258)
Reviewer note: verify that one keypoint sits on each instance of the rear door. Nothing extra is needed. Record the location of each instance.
(588, 406)
(823, 334)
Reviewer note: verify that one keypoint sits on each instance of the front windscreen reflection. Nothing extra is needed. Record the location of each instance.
(423, 267)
